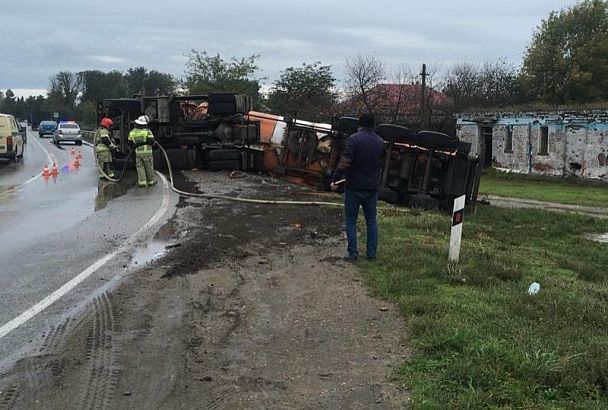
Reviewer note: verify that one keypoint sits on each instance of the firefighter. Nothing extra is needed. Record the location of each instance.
(141, 140)
(104, 148)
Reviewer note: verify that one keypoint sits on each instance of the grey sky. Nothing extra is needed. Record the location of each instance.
(42, 37)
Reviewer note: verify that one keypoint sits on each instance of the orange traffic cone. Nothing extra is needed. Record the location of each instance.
(45, 171)
(54, 171)
(79, 155)
(72, 151)
(76, 162)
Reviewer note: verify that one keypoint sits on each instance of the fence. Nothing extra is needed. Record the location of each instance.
(87, 136)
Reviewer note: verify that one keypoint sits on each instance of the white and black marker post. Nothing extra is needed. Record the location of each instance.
(457, 216)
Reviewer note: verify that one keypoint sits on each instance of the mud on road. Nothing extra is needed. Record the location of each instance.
(254, 310)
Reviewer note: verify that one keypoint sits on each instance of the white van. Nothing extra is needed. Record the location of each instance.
(11, 139)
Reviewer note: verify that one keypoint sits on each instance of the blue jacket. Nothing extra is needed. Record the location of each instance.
(361, 161)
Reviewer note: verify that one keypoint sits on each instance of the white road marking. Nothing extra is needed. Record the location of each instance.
(49, 157)
(62, 291)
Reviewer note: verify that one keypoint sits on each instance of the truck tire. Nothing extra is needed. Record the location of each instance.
(347, 125)
(224, 155)
(228, 165)
(438, 140)
(221, 98)
(222, 108)
(243, 103)
(180, 159)
(395, 133)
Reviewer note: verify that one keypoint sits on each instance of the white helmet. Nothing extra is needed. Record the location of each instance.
(142, 120)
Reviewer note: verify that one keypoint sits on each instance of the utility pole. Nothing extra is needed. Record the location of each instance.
(422, 120)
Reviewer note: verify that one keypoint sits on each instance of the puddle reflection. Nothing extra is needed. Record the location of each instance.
(107, 191)
(7, 193)
(150, 252)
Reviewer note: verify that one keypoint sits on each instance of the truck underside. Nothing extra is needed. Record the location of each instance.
(219, 131)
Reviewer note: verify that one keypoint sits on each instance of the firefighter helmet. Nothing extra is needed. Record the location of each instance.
(106, 122)
(142, 120)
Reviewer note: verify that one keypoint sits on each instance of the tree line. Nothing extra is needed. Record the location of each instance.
(566, 63)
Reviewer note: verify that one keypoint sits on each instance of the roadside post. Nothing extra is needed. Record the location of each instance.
(457, 217)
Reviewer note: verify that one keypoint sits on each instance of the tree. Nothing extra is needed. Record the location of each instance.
(8, 102)
(205, 74)
(567, 60)
(97, 85)
(308, 88)
(152, 82)
(64, 88)
(462, 84)
(491, 84)
(363, 74)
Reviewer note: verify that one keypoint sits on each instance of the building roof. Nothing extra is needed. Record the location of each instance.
(399, 98)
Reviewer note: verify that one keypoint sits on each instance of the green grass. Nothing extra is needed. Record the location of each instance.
(479, 340)
(562, 190)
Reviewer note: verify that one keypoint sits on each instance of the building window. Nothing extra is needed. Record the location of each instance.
(509, 140)
(543, 146)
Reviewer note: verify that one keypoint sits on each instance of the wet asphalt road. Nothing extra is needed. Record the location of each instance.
(52, 229)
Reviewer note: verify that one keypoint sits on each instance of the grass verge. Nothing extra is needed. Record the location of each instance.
(562, 190)
(479, 340)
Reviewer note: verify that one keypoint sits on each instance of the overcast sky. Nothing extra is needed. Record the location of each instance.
(42, 37)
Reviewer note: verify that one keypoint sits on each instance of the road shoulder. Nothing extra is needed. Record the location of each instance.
(255, 309)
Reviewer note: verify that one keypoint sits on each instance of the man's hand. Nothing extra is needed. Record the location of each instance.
(335, 185)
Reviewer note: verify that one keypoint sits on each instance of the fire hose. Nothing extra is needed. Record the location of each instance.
(122, 173)
(225, 197)
(237, 199)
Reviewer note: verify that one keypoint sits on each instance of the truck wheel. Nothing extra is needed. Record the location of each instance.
(347, 125)
(437, 140)
(395, 133)
(221, 98)
(224, 155)
(222, 108)
(231, 165)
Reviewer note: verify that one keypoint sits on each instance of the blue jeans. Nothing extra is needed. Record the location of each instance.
(352, 201)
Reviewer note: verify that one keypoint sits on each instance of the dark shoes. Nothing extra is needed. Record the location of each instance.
(350, 258)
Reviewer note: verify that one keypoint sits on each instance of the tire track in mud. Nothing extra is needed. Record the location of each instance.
(243, 391)
(9, 397)
(38, 372)
(38, 368)
(102, 357)
(221, 397)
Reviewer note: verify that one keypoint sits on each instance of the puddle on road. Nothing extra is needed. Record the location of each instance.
(601, 238)
(108, 191)
(150, 252)
(7, 193)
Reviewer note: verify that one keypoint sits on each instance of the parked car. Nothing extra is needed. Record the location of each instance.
(67, 131)
(46, 128)
(11, 138)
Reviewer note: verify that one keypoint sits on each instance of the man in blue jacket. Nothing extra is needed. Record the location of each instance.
(361, 165)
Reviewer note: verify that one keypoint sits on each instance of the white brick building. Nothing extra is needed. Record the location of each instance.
(558, 143)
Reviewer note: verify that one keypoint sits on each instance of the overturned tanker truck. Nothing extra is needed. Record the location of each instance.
(209, 131)
(219, 131)
(424, 169)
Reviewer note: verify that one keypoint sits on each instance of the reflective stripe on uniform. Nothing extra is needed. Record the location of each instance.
(139, 136)
(97, 140)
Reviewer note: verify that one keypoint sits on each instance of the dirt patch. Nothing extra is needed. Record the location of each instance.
(254, 309)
